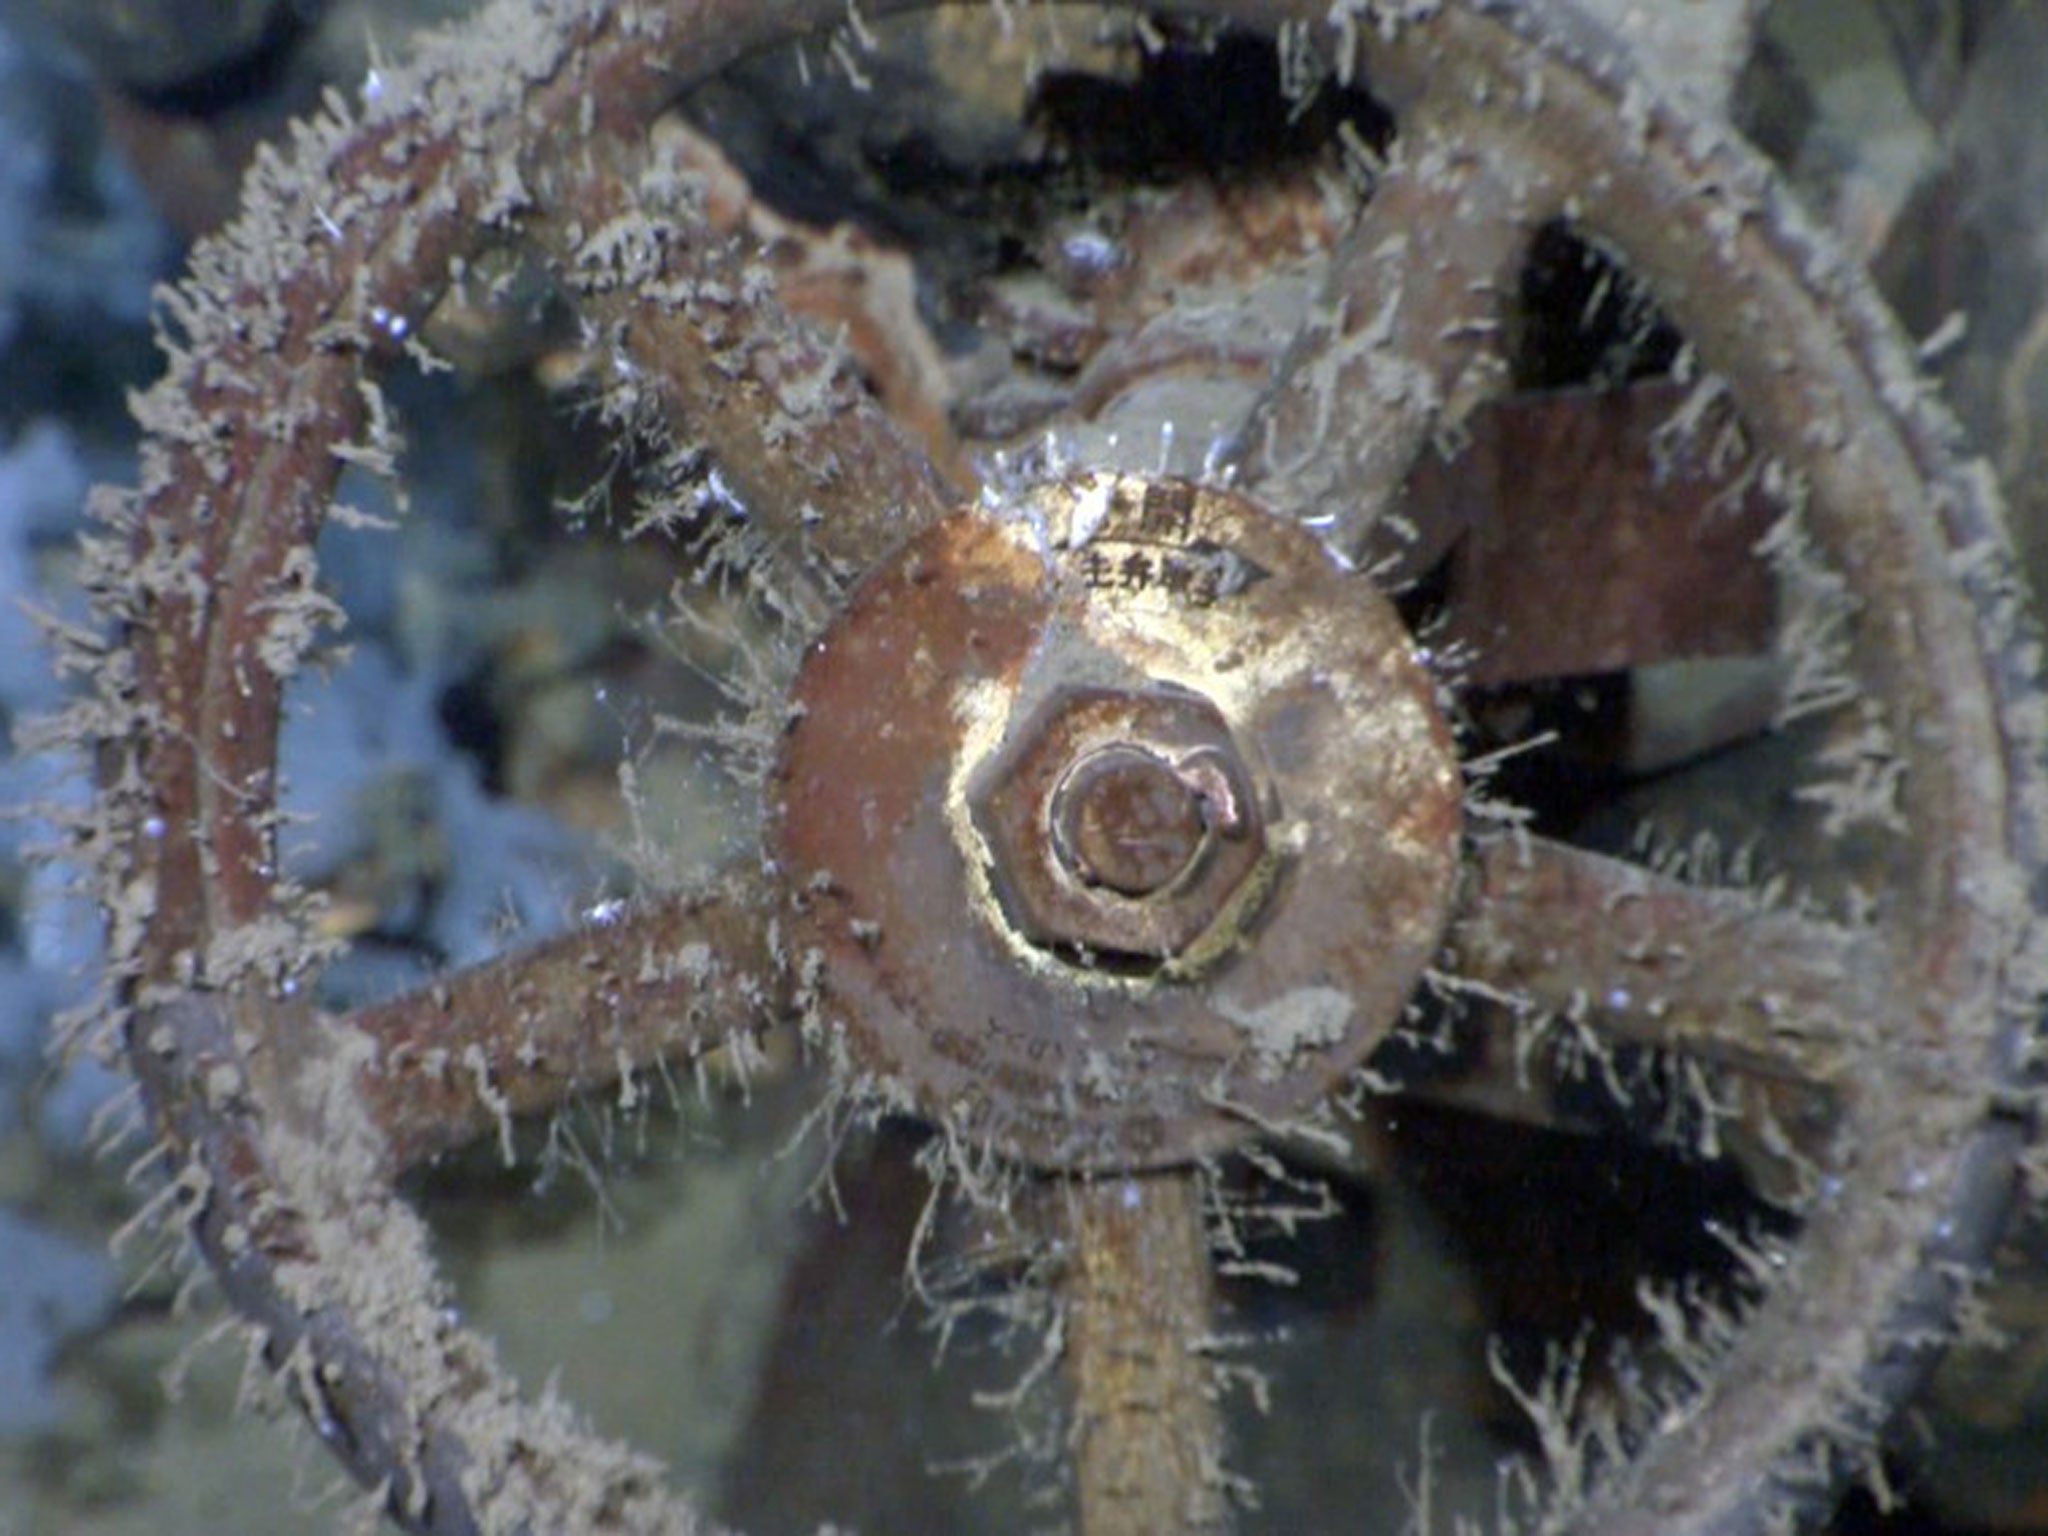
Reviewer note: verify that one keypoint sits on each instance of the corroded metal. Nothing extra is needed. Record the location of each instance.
(1121, 824)
(1642, 502)
(634, 988)
(1716, 973)
(1139, 1299)
(1408, 339)
(914, 813)
(955, 643)
(1127, 821)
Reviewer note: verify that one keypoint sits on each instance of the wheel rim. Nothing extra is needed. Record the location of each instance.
(238, 1074)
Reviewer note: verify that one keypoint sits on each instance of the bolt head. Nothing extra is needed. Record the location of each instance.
(1127, 821)
(1120, 825)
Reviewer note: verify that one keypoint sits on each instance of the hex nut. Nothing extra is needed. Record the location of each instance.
(1189, 833)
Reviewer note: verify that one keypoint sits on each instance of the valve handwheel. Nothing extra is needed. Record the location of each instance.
(1119, 817)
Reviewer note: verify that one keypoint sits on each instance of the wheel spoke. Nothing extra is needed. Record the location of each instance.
(1405, 343)
(1638, 502)
(824, 479)
(1712, 972)
(519, 1035)
(1148, 1434)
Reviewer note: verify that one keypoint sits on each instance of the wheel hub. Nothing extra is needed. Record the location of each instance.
(1069, 759)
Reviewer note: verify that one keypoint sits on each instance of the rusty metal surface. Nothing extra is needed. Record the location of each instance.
(796, 429)
(912, 811)
(1602, 530)
(1714, 972)
(952, 647)
(1147, 1425)
(1407, 339)
(1121, 824)
(658, 982)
